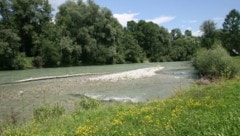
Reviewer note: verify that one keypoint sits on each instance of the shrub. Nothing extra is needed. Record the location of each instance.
(215, 62)
(19, 62)
(88, 103)
(12, 62)
(37, 62)
(45, 112)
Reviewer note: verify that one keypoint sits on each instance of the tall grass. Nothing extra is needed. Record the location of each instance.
(237, 62)
(201, 110)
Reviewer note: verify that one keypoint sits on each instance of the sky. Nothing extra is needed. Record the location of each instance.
(183, 14)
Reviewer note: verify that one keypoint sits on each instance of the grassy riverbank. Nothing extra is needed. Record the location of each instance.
(201, 110)
(237, 61)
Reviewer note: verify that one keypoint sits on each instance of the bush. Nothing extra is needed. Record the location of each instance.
(215, 62)
(43, 113)
(88, 103)
(19, 62)
(12, 62)
(37, 62)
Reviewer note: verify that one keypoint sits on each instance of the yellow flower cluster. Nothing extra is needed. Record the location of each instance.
(177, 111)
(86, 131)
(148, 119)
(193, 103)
(117, 122)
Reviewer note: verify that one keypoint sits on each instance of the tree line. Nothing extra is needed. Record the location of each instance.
(83, 33)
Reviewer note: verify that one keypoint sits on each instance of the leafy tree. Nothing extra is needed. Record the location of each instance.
(50, 36)
(92, 28)
(5, 12)
(76, 55)
(66, 51)
(153, 39)
(209, 33)
(10, 58)
(184, 48)
(188, 33)
(231, 32)
(132, 51)
(50, 54)
(85, 33)
(163, 50)
(29, 17)
(176, 33)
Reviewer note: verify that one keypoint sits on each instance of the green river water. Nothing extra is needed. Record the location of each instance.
(22, 98)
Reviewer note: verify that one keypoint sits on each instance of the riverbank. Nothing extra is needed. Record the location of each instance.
(132, 83)
(201, 110)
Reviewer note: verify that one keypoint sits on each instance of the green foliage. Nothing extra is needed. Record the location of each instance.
(154, 40)
(37, 62)
(87, 104)
(188, 33)
(29, 62)
(50, 54)
(76, 55)
(176, 33)
(237, 61)
(66, 45)
(19, 62)
(83, 33)
(202, 110)
(208, 28)
(132, 51)
(231, 32)
(44, 113)
(10, 58)
(184, 48)
(215, 63)
(93, 28)
(29, 18)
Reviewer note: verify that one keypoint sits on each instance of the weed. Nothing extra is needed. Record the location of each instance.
(88, 104)
(45, 112)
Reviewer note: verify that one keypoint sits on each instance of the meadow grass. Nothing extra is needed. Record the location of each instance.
(201, 110)
(237, 61)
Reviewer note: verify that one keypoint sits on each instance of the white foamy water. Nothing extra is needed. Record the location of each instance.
(113, 98)
(128, 75)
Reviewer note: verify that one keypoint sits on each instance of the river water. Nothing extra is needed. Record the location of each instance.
(173, 77)
(21, 99)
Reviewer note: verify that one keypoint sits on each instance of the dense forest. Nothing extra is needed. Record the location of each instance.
(83, 33)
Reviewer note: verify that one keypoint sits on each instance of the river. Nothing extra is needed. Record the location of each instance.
(135, 83)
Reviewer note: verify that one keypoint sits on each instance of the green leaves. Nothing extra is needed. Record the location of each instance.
(215, 63)
(83, 33)
(232, 22)
(208, 28)
(93, 28)
(231, 32)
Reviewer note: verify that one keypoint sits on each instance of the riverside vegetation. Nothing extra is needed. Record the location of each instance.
(84, 33)
(201, 110)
